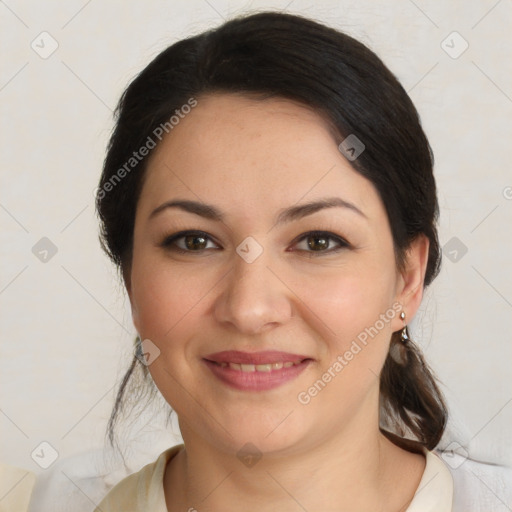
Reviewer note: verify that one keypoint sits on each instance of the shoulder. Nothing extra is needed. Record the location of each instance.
(16, 486)
(435, 490)
(468, 485)
(84, 478)
(73, 482)
(142, 490)
(478, 486)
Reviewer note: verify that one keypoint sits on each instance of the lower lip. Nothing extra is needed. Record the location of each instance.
(256, 381)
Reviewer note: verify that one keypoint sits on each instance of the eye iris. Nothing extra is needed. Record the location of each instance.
(193, 245)
(323, 242)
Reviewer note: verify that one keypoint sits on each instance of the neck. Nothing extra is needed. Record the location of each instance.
(354, 470)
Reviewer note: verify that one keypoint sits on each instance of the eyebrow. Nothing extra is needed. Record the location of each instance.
(290, 214)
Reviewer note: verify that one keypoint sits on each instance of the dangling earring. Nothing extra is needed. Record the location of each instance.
(404, 336)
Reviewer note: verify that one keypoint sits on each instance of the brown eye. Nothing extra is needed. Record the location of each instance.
(318, 243)
(321, 242)
(193, 242)
(187, 242)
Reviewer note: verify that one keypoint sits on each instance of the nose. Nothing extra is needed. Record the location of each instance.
(254, 298)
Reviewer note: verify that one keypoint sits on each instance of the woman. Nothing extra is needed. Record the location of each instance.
(268, 197)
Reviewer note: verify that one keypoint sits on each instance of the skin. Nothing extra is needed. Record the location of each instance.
(251, 159)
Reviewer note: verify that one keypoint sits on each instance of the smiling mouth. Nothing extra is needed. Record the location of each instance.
(256, 372)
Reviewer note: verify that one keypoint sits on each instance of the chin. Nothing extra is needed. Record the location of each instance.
(266, 435)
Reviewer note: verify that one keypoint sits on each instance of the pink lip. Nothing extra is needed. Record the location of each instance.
(255, 381)
(268, 356)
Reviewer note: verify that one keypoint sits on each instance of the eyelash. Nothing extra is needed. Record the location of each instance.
(169, 242)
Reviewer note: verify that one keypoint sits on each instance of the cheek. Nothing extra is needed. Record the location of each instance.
(359, 314)
(349, 299)
(355, 306)
(168, 303)
(164, 299)
(174, 304)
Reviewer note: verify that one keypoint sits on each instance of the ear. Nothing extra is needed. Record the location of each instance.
(412, 277)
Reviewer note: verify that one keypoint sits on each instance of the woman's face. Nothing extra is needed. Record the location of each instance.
(257, 285)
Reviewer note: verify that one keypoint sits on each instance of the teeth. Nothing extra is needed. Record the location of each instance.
(266, 367)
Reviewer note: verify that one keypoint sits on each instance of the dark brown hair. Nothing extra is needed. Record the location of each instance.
(272, 54)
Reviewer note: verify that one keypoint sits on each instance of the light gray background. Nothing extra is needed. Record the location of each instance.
(66, 332)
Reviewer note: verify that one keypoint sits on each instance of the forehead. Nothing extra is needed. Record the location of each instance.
(252, 153)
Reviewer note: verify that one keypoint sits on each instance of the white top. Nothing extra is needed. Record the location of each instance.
(78, 483)
(16, 487)
(144, 490)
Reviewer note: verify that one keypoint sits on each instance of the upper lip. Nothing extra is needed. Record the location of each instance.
(267, 356)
